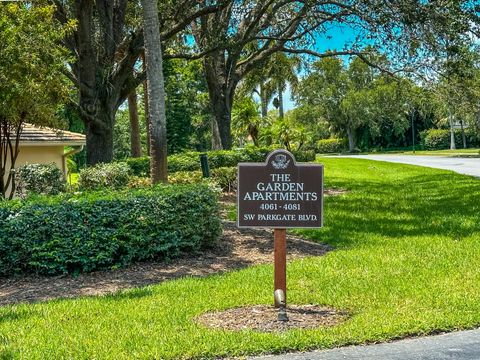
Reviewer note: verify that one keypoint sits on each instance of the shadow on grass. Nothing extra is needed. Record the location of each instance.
(132, 294)
(9, 314)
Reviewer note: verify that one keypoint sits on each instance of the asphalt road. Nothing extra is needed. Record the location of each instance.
(467, 166)
(461, 345)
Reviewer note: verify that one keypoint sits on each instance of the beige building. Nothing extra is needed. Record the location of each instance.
(41, 145)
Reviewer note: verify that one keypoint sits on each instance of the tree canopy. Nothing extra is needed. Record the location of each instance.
(32, 81)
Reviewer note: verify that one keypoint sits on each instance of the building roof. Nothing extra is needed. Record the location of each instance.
(44, 136)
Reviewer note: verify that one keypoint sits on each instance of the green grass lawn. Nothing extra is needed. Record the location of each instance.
(407, 262)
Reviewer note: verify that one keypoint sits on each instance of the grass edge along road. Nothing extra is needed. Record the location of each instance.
(470, 152)
(406, 263)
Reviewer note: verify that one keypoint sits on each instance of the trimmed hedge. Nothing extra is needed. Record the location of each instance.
(80, 233)
(439, 139)
(190, 161)
(334, 145)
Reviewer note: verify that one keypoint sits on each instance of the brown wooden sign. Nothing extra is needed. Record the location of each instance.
(280, 193)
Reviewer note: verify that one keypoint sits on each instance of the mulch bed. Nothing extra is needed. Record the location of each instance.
(264, 318)
(236, 249)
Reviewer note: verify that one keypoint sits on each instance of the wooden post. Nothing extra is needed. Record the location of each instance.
(280, 264)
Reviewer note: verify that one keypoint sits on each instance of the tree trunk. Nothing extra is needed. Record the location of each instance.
(145, 104)
(478, 124)
(221, 104)
(100, 138)
(223, 118)
(452, 134)
(281, 113)
(156, 92)
(253, 132)
(264, 102)
(135, 144)
(351, 139)
(464, 138)
(216, 141)
(221, 89)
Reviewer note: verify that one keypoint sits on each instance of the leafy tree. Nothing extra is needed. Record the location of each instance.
(456, 91)
(121, 138)
(107, 44)
(187, 111)
(32, 84)
(185, 92)
(353, 98)
(326, 89)
(241, 35)
(312, 121)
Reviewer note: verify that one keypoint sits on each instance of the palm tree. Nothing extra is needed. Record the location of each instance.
(156, 92)
(283, 70)
(272, 79)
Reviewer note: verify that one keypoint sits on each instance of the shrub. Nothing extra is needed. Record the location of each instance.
(304, 156)
(39, 179)
(113, 175)
(190, 161)
(187, 161)
(83, 232)
(139, 166)
(435, 139)
(326, 146)
(439, 139)
(226, 178)
(185, 177)
(136, 182)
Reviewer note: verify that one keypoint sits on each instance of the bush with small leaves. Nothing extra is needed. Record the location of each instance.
(185, 177)
(326, 146)
(81, 232)
(44, 179)
(439, 139)
(136, 182)
(104, 176)
(190, 161)
(226, 178)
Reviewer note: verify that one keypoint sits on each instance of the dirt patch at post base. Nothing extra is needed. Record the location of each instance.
(264, 318)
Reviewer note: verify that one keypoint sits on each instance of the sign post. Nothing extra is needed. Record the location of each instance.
(280, 194)
(280, 263)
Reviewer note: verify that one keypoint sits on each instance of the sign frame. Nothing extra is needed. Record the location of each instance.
(265, 164)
